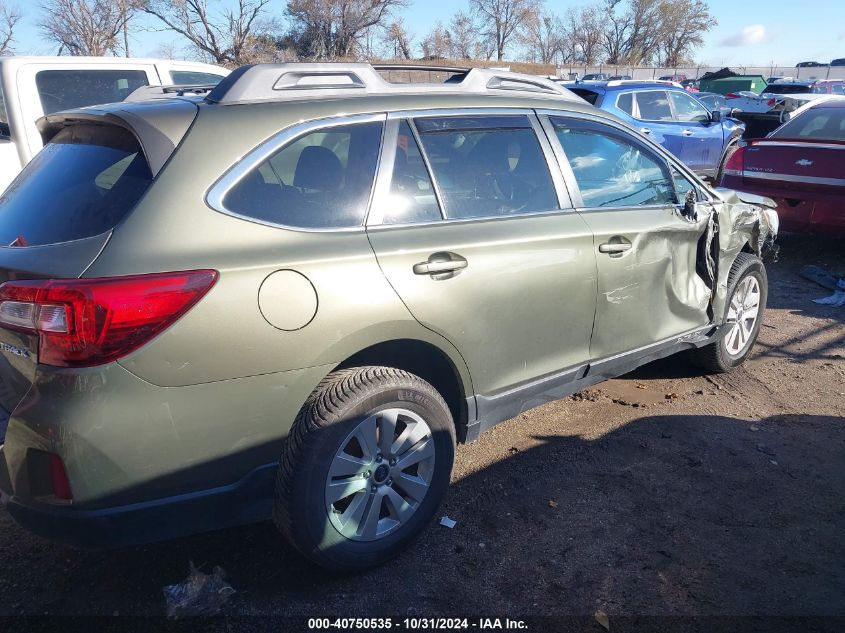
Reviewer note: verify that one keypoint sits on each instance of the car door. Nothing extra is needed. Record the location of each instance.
(646, 249)
(703, 138)
(477, 237)
(656, 120)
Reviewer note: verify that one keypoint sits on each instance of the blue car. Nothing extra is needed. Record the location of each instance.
(672, 117)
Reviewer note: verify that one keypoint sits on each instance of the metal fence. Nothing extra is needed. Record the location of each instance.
(639, 72)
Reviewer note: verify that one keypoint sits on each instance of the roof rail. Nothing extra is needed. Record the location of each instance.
(155, 92)
(422, 67)
(274, 82)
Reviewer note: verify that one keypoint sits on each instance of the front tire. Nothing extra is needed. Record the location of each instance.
(748, 289)
(365, 467)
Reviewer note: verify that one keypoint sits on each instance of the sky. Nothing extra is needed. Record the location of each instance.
(749, 32)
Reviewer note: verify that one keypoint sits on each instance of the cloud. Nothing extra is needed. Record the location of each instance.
(749, 36)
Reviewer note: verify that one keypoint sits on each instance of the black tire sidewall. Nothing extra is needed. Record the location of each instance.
(316, 535)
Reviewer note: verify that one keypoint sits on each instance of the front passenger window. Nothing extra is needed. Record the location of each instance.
(612, 170)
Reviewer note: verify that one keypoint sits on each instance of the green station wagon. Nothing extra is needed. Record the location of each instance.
(290, 297)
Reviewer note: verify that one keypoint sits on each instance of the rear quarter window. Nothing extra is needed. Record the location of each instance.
(81, 184)
(68, 89)
(321, 180)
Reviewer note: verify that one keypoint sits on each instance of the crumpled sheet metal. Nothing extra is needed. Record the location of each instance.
(740, 218)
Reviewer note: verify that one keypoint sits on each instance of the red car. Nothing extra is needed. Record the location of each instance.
(801, 166)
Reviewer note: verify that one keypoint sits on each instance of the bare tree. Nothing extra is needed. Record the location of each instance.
(333, 29)
(543, 36)
(464, 37)
(501, 19)
(397, 40)
(684, 24)
(10, 15)
(584, 34)
(225, 37)
(87, 27)
(437, 44)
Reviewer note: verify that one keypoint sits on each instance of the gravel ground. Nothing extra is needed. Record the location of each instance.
(662, 493)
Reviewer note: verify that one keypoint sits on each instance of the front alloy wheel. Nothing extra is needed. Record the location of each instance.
(743, 311)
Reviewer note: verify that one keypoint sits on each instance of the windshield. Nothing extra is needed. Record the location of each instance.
(824, 124)
(84, 181)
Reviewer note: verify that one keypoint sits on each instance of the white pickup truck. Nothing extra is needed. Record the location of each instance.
(31, 87)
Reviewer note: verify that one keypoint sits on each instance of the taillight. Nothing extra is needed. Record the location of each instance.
(86, 322)
(732, 95)
(735, 165)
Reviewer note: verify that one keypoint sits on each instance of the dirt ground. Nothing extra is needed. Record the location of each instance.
(660, 493)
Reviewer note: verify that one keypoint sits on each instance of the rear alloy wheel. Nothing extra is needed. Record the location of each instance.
(746, 302)
(365, 467)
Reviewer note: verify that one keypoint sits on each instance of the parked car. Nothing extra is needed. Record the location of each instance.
(596, 77)
(675, 78)
(299, 322)
(672, 117)
(838, 62)
(810, 65)
(788, 88)
(620, 78)
(799, 166)
(829, 86)
(31, 87)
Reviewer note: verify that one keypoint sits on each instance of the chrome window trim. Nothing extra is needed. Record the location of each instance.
(488, 218)
(216, 194)
(704, 190)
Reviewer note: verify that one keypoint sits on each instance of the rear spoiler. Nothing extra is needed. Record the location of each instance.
(159, 129)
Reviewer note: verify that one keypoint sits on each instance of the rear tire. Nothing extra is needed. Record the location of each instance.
(365, 467)
(746, 297)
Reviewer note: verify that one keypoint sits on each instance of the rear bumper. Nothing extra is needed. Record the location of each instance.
(146, 463)
(247, 501)
(799, 210)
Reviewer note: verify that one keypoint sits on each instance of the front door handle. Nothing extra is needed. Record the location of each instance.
(645, 130)
(441, 265)
(615, 247)
(687, 132)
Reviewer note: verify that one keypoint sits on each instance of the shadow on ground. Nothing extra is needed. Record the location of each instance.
(665, 515)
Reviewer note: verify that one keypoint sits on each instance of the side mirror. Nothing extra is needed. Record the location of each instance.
(734, 111)
(716, 116)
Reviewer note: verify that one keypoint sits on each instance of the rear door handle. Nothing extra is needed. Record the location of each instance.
(645, 130)
(614, 247)
(441, 265)
(687, 133)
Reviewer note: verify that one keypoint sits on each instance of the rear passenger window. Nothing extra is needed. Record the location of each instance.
(612, 170)
(412, 198)
(626, 103)
(654, 106)
(487, 166)
(321, 180)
